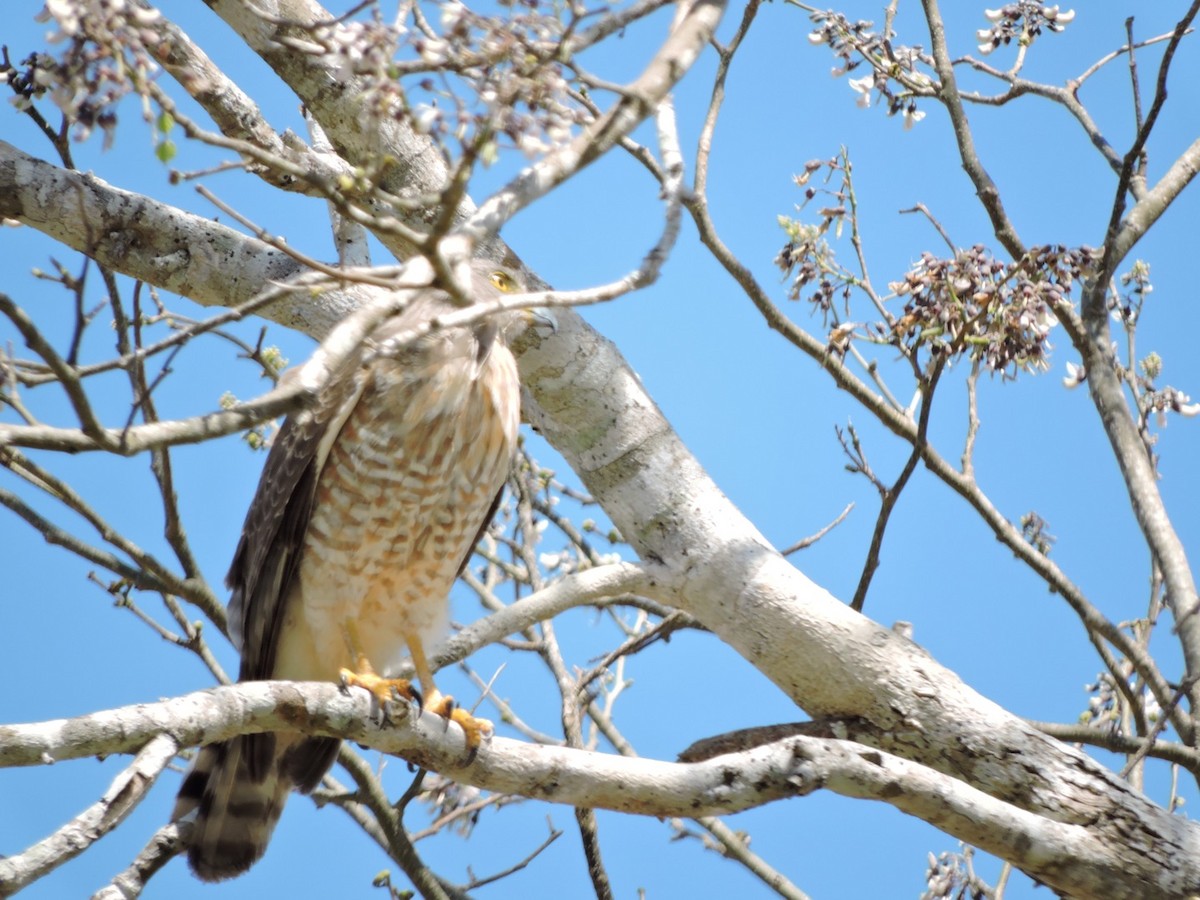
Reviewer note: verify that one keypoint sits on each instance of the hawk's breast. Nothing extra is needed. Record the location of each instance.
(400, 498)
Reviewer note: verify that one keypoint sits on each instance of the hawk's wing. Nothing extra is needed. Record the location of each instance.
(267, 559)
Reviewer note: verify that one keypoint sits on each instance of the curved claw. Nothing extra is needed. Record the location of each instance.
(475, 730)
(384, 690)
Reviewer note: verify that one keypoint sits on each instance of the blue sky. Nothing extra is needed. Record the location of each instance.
(758, 415)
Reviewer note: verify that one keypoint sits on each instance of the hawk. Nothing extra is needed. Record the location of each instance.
(367, 509)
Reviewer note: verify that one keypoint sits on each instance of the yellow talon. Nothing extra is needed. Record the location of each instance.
(475, 730)
(384, 690)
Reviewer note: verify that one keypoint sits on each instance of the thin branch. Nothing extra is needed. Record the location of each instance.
(948, 94)
(62, 538)
(924, 210)
(1138, 121)
(165, 844)
(1152, 736)
(968, 454)
(299, 389)
(1093, 306)
(64, 374)
(1155, 202)
(640, 98)
(726, 55)
(554, 835)
(158, 575)
(585, 816)
(735, 846)
(806, 542)
(1066, 96)
(1119, 743)
(635, 643)
(121, 798)
(892, 495)
(399, 847)
(577, 589)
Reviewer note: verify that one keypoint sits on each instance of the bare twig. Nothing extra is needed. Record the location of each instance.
(892, 494)
(641, 98)
(924, 210)
(806, 542)
(554, 835)
(390, 820)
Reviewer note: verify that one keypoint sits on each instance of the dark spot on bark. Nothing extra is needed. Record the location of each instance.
(890, 790)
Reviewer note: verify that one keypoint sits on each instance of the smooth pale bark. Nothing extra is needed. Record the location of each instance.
(830, 660)
(792, 767)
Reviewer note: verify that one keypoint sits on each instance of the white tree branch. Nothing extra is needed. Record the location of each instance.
(122, 796)
(575, 777)
(1148, 209)
(1057, 852)
(162, 847)
(570, 592)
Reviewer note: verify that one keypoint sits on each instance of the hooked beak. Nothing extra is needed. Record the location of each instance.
(542, 318)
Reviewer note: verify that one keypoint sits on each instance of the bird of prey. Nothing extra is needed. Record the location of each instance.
(369, 505)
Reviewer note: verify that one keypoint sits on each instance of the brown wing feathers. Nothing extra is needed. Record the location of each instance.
(238, 788)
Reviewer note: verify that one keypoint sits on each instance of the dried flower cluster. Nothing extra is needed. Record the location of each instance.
(951, 876)
(1022, 22)
(1125, 302)
(806, 255)
(1033, 529)
(1164, 400)
(981, 307)
(1135, 290)
(1104, 705)
(896, 71)
(1102, 710)
(486, 81)
(107, 54)
(523, 87)
(810, 260)
(477, 79)
(457, 803)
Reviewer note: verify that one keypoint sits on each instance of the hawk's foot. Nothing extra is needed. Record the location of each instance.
(475, 730)
(384, 690)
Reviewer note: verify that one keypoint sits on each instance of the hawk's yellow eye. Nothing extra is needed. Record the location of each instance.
(503, 281)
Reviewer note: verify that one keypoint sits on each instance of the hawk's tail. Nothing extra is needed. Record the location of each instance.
(237, 789)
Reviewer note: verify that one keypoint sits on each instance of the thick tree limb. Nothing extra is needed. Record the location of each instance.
(1055, 852)
(575, 777)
